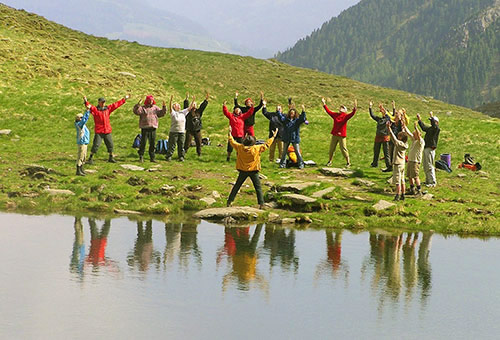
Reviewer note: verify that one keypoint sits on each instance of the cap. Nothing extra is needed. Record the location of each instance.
(435, 118)
(101, 99)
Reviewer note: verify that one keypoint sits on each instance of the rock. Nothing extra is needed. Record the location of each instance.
(5, 132)
(461, 175)
(295, 187)
(90, 171)
(359, 198)
(228, 220)
(98, 188)
(59, 192)
(364, 182)
(321, 193)
(303, 219)
(271, 205)
(146, 191)
(287, 221)
(22, 194)
(127, 212)
(262, 176)
(239, 213)
(273, 218)
(132, 167)
(128, 74)
(193, 187)
(215, 194)
(111, 197)
(167, 188)
(336, 172)
(134, 181)
(34, 168)
(299, 199)
(382, 205)
(208, 200)
(482, 173)
(427, 197)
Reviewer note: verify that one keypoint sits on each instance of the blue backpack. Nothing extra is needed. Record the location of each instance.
(137, 141)
(161, 146)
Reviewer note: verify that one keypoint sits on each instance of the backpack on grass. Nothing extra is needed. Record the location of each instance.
(137, 141)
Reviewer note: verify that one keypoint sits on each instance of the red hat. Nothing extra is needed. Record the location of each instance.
(149, 101)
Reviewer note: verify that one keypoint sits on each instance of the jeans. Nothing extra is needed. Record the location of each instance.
(285, 151)
(148, 134)
(173, 139)
(254, 176)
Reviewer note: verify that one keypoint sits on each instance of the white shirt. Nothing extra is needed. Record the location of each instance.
(178, 123)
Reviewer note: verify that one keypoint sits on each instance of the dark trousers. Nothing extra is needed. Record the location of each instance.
(148, 135)
(230, 147)
(254, 176)
(376, 153)
(176, 138)
(98, 137)
(197, 139)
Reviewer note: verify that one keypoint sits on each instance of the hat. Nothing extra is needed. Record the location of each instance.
(149, 100)
(435, 118)
(101, 100)
(78, 117)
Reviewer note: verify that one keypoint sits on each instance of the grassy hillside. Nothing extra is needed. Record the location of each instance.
(47, 68)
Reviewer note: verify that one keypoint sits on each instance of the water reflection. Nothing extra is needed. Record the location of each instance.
(143, 253)
(78, 253)
(182, 243)
(280, 246)
(333, 265)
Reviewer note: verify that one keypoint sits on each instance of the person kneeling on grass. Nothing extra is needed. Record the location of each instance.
(82, 139)
(248, 164)
(398, 162)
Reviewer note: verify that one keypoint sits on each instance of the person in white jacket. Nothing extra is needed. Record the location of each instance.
(177, 129)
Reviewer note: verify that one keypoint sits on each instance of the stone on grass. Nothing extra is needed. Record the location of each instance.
(128, 74)
(132, 167)
(271, 205)
(239, 213)
(321, 193)
(296, 187)
(59, 192)
(215, 194)
(336, 172)
(287, 221)
(5, 132)
(127, 212)
(382, 205)
(273, 218)
(482, 173)
(364, 182)
(428, 197)
(299, 199)
(461, 175)
(90, 171)
(208, 200)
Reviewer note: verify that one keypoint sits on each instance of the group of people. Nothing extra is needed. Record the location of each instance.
(392, 134)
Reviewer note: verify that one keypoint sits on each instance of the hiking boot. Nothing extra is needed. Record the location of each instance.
(168, 159)
(374, 165)
(141, 159)
(396, 198)
(402, 198)
(181, 159)
(90, 160)
(329, 163)
(228, 158)
(82, 171)
(79, 172)
(348, 165)
(111, 159)
(387, 170)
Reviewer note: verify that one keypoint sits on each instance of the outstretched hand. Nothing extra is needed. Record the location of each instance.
(236, 94)
(224, 103)
(418, 116)
(85, 99)
(264, 103)
(261, 95)
(275, 132)
(164, 103)
(207, 95)
(393, 104)
(187, 95)
(355, 103)
(323, 100)
(303, 107)
(371, 103)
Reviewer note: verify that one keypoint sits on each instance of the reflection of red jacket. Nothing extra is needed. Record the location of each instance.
(237, 122)
(97, 251)
(101, 117)
(339, 121)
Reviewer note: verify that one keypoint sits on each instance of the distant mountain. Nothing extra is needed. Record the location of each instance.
(131, 20)
(448, 49)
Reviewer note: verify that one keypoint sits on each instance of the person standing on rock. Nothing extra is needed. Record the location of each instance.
(274, 123)
(237, 123)
(398, 162)
(250, 121)
(248, 164)
(148, 123)
(381, 138)
(339, 130)
(291, 135)
(431, 141)
(194, 124)
(177, 133)
(82, 140)
(102, 126)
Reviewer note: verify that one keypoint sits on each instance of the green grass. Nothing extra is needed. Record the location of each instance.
(47, 68)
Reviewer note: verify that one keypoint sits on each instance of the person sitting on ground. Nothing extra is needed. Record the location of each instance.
(398, 162)
(248, 164)
(102, 126)
(82, 139)
(431, 141)
(237, 123)
(291, 135)
(274, 123)
(414, 159)
(148, 123)
(381, 138)
(194, 124)
(339, 130)
(177, 133)
(250, 121)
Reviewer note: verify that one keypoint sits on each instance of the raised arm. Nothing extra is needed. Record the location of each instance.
(422, 125)
(203, 105)
(185, 104)
(375, 118)
(331, 113)
(393, 108)
(163, 111)
(266, 113)
(236, 100)
(248, 113)
(354, 109)
(258, 107)
(117, 104)
(225, 111)
(137, 107)
(170, 103)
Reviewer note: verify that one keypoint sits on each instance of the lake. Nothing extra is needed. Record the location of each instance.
(66, 277)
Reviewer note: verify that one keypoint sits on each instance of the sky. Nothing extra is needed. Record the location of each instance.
(259, 28)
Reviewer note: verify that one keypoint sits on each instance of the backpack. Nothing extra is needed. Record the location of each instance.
(161, 146)
(137, 141)
(440, 164)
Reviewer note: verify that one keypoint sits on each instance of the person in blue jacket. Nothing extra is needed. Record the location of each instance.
(291, 134)
(274, 123)
(82, 139)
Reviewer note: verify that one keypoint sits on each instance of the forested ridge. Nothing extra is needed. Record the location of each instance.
(447, 49)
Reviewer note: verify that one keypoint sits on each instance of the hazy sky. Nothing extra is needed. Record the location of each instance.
(259, 28)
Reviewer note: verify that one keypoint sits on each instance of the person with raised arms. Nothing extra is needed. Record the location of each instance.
(194, 124)
(414, 159)
(148, 123)
(398, 161)
(237, 122)
(431, 141)
(274, 123)
(177, 133)
(291, 134)
(381, 137)
(250, 121)
(82, 139)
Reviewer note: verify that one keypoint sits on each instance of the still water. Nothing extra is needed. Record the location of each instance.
(64, 277)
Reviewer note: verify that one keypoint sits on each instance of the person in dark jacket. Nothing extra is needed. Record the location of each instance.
(382, 138)
(250, 121)
(274, 123)
(102, 126)
(194, 124)
(431, 141)
(291, 134)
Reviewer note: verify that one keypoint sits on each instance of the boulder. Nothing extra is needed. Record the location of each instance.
(336, 172)
(208, 200)
(238, 213)
(296, 187)
(273, 218)
(132, 167)
(299, 199)
(59, 192)
(321, 193)
(382, 205)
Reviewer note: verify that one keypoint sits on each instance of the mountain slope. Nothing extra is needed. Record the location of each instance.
(412, 45)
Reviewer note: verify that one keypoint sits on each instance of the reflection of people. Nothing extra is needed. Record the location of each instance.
(144, 253)
(424, 266)
(280, 243)
(78, 253)
(410, 264)
(333, 262)
(98, 242)
(241, 251)
(181, 241)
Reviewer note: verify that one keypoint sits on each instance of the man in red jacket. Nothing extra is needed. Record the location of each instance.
(102, 126)
(339, 130)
